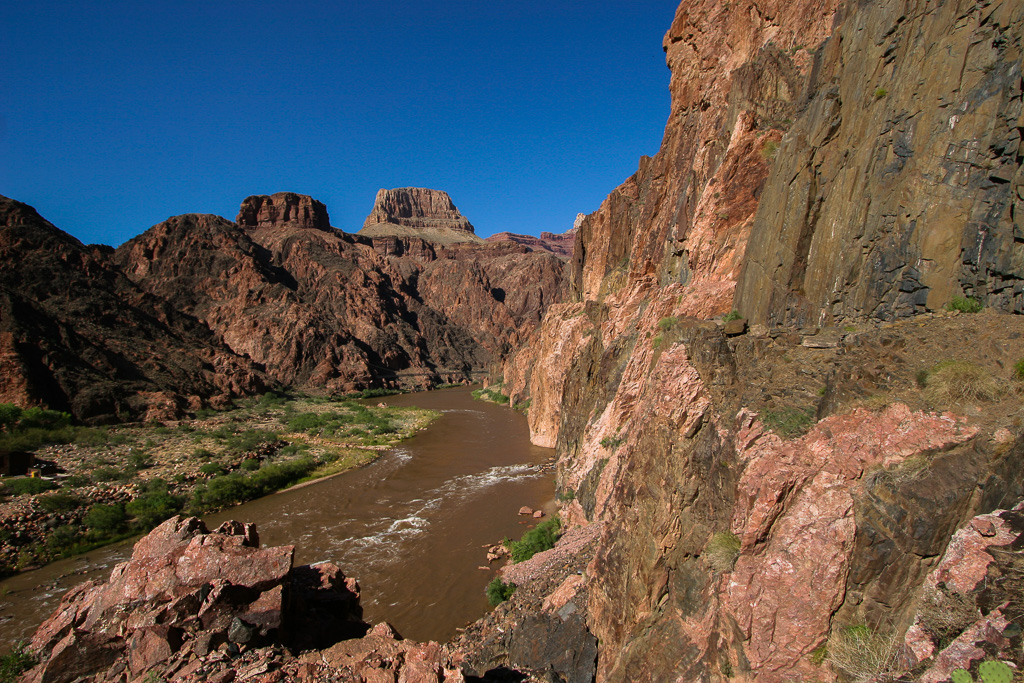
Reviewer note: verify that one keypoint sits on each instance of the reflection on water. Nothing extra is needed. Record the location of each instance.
(410, 526)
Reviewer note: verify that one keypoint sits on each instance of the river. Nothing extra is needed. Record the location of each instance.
(410, 527)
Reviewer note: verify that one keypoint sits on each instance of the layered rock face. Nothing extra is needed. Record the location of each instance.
(900, 186)
(283, 209)
(417, 211)
(674, 436)
(324, 310)
(77, 335)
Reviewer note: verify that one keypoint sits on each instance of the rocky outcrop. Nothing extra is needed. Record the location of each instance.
(77, 335)
(559, 245)
(195, 605)
(900, 186)
(417, 212)
(283, 209)
(657, 415)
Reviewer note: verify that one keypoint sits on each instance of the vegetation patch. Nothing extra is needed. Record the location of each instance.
(945, 614)
(964, 304)
(733, 315)
(538, 539)
(612, 442)
(722, 551)
(667, 323)
(492, 394)
(16, 662)
(863, 653)
(769, 149)
(955, 381)
(498, 591)
(789, 423)
(1018, 370)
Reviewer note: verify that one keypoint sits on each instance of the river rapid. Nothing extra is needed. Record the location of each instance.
(410, 527)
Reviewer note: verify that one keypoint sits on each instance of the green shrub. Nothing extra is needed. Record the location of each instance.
(63, 540)
(40, 418)
(154, 505)
(59, 502)
(722, 550)
(612, 442)
(250, 464)
(880, 93)
(667, 323)
(107, 473)
(538, 539)
(29, 485)
(1018, 370)
(212, 468)
(498, 591)
(107, 520)
(789, 422)
(9, 415)
(964, 304)
(769, 149)
(16, 662)
(734, 315)
(492, 394)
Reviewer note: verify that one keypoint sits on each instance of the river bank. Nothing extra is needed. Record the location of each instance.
(410, 526)
(124, 480)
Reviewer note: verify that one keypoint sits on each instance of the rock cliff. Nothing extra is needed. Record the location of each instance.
(77, 335)
(283, 209)
(417, 212)
(324, 310)
(762, 493)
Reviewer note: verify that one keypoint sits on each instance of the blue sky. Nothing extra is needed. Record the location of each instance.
(116, 115)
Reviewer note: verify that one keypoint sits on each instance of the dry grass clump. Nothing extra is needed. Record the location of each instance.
(722, 550)
(956, 381)
(945, 614)
(864, 654)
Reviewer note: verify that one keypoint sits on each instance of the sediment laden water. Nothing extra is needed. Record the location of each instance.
(410, 527)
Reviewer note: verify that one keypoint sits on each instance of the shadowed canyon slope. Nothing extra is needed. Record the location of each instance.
(835, 168)
(278, 298)
(77, 335)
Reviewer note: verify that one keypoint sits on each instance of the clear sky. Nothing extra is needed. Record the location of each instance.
(115, 115)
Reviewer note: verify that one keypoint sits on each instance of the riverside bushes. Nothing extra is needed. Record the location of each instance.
(498, 591)
(538, 539)
(237, 487)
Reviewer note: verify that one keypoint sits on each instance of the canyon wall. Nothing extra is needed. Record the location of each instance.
(789, 186)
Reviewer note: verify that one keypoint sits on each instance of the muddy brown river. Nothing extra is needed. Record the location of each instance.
(409, 527)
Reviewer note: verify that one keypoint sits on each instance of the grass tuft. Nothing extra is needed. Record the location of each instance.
(955, 381)
(722, 550)
(862, 653)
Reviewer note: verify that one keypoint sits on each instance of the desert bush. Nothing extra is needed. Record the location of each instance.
(964, 304)
(108, 473)
(59, 502)
(250, 464)
(722, 550)
(789, 422)
(734, 315)
(492, 394)
(538, 539)
(212, 468)
(498, 591)
(612, 442)
(16, 662)
(107, 520)
(9, 415)
(955, 381)
(154, 505)
(667, 323)
(863, 653)
(1018, 370)
(29, 485)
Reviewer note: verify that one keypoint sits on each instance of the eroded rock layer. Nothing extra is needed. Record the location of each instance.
(560, 245)
(417, 212)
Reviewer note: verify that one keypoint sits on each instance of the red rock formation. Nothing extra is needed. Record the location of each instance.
(641, 398)
(283, 209)
(77, 335)
(417, 211)
(196, 605)
(322, 310)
